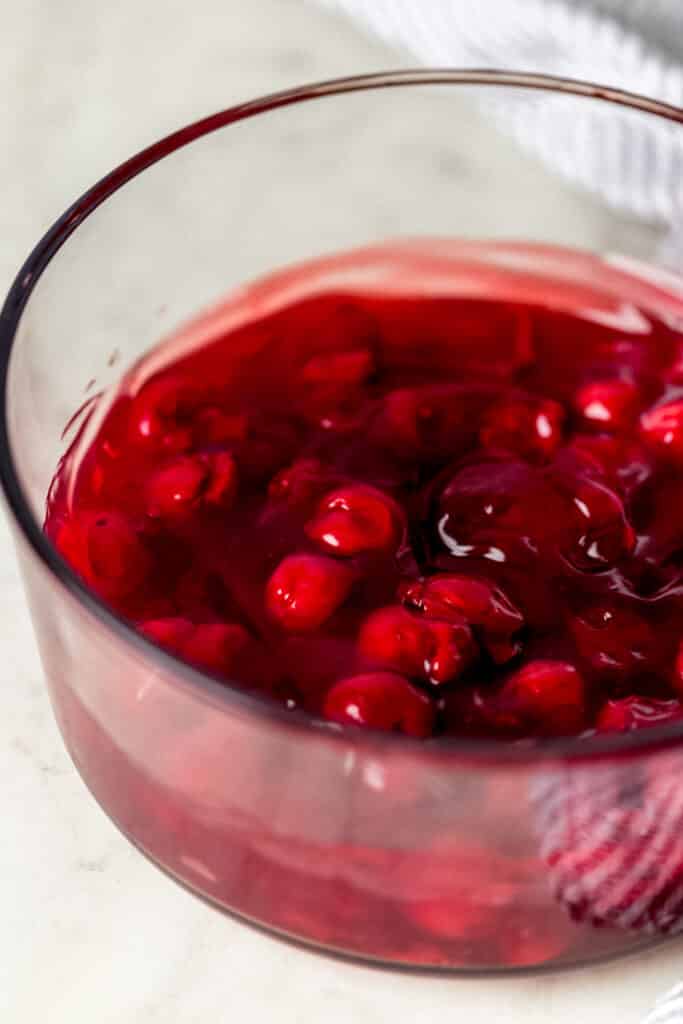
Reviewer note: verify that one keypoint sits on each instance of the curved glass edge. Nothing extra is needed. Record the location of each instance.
(526, 752)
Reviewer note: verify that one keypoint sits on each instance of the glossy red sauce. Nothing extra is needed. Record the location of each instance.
(434, 489)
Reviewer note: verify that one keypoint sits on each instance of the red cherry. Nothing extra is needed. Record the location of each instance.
(300, 482)
(332, 388)
(662, 428)
(189, 481)
(176, 488)
(214, 645)
(116, 552)
(601, 535)
(623, 461)
(615, 641)
(607, 405)
(169, 632)
(547, 695)
(493, 505)
(106, 549)
(394, 637)
(381, 700)
(211, 645)
(161, 413)
(480, 603)
(305, 590)
(435, 651)
(633, 713)
(450, 649)
(355, 519)
(530, 427)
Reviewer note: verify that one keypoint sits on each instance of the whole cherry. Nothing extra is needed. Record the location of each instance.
(305, 590)
(662, 428)
(429, 650)
(381, 700)
(480, 603)
(632, 713)
(607, 405)
(355, 519)
(526, 426)
(547, 695)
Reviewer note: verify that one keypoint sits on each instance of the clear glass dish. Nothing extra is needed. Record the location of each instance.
(448, 854)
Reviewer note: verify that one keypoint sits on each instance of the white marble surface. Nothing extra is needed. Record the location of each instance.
(89, 931)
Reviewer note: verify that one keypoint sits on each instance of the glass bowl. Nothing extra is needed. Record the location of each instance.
(447, 854)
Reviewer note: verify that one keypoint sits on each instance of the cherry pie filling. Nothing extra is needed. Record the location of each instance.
(434, 507)
(403, 512)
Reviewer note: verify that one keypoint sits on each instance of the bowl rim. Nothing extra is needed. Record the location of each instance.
(575, 748)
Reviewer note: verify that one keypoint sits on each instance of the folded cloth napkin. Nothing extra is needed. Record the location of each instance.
(668, 1009)
(634, 162)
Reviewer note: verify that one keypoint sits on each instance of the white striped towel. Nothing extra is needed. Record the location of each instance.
(669, 1008)
(634, 162)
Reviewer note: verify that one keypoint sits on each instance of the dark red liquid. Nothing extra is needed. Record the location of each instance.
(436, 509)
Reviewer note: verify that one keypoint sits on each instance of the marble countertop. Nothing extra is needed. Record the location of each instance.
(89, 931)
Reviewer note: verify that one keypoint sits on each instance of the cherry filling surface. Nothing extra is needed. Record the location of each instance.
(441, 497)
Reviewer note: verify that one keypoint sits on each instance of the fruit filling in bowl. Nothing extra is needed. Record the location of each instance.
(427, 488)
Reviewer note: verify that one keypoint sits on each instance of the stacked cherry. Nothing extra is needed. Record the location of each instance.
(397, 538)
